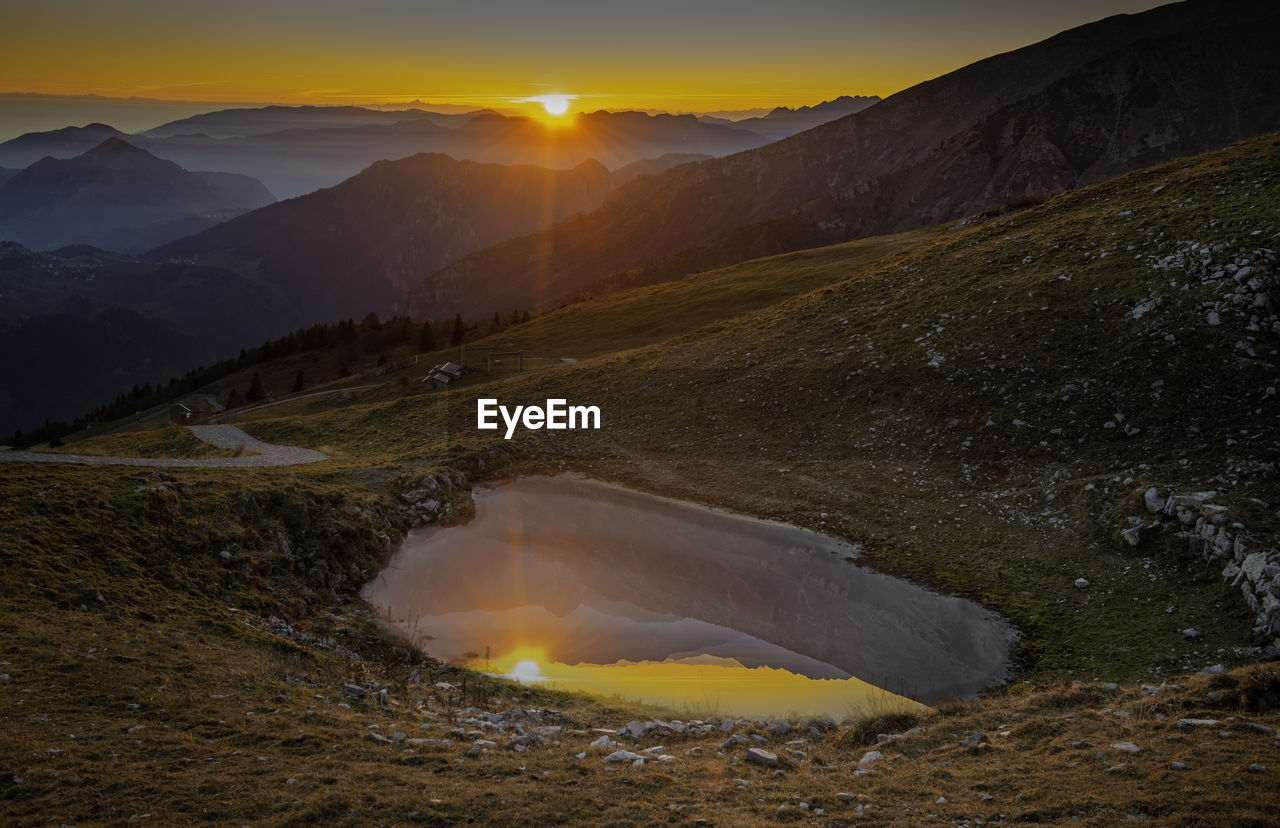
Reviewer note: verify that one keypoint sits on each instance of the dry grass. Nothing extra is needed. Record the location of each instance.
(192, 724)
(163, 441)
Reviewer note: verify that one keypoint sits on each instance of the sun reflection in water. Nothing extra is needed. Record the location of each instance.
(709, 686)
(526, 671)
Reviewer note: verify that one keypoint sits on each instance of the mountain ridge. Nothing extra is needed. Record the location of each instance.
(387, 225)
(117, 196)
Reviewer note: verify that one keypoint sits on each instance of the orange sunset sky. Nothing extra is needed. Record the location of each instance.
(692, 55)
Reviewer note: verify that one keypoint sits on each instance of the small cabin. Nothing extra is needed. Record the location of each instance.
(443, 374)
(180, 414)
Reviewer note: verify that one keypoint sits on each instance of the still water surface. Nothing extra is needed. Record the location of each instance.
(593, 587)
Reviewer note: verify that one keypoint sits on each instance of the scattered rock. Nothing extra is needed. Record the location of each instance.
(1127, 747)
(870, 758)
(974, 740)
(762, 757)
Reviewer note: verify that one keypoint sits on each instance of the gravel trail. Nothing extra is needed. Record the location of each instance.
(222, 436)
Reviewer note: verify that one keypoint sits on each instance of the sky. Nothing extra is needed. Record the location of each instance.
(677, 55)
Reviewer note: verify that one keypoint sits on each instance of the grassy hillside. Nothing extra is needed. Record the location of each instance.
(164, 441)
(981, 407)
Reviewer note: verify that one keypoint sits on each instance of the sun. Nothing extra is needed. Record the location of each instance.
(554, 105)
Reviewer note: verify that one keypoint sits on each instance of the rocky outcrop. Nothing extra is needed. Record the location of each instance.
(431, 497)
(1207, 529)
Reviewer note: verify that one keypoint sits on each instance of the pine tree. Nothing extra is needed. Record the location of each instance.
(255, 391)
(496, 325)
(427, 339)
(300, 381)
(459, 331)
(233, 399)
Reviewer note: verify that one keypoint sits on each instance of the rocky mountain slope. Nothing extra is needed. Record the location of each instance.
(351, 249)
(119, 197)
(1122, 93)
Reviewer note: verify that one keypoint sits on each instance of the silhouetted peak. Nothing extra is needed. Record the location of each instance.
(116, 148)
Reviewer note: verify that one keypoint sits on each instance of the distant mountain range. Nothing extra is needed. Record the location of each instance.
(784, 122)
(1125, 92)
(238, 123)
(305, 157)
(119, 197)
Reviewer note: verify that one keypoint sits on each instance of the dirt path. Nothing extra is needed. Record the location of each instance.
(222, 436)
(235, 412)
